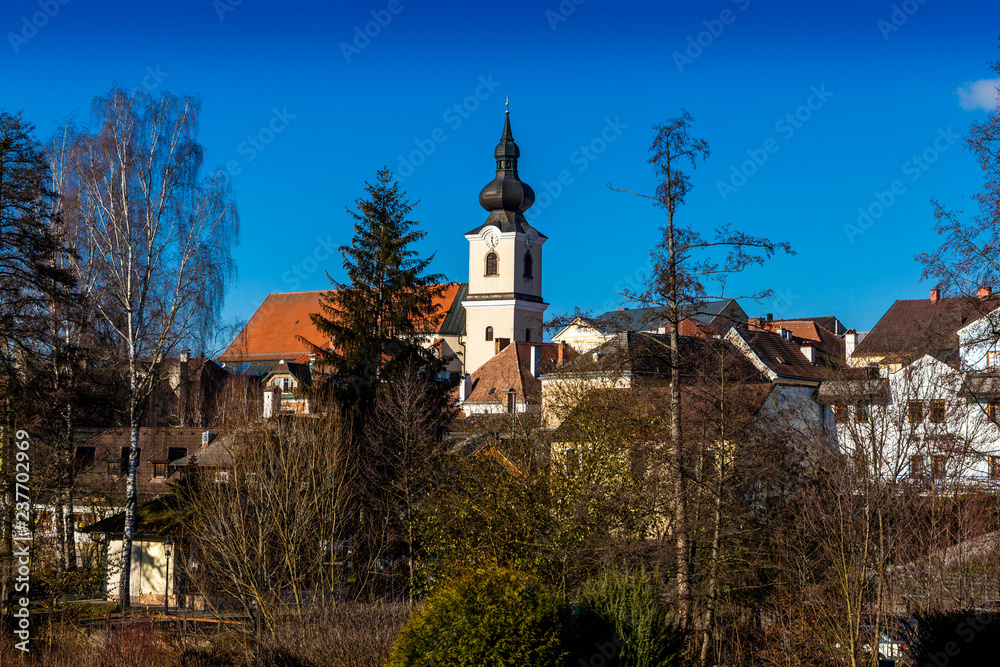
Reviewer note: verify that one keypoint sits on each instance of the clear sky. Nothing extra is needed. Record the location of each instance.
(812, 111)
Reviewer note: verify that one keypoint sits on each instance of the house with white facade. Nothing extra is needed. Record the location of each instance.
(922, 407)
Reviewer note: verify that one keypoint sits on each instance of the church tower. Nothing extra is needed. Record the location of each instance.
(504, 302)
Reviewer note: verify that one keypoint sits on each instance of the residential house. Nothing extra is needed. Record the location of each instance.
(926, 403)
(711, 318)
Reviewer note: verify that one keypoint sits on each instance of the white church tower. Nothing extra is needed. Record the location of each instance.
(504, 304)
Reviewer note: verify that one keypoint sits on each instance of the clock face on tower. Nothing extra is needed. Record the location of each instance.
(492, 239)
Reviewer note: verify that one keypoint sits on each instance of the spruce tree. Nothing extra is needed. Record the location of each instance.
(376, 319)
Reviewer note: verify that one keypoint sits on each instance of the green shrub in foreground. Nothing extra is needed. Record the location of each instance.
(620, 622)
(490, 617)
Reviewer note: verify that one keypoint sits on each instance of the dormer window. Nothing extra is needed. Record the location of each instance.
(528, 266)
(492, 264)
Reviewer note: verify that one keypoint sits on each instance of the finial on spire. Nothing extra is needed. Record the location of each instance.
(508, 104)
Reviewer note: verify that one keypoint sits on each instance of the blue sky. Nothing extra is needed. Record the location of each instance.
(812, 111)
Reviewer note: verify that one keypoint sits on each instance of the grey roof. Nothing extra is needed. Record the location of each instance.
(454, 321)
(834, 391)
(654, 318)
(214, 454)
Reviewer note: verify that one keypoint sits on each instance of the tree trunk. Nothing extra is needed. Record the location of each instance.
(677, 445)
(124, 585)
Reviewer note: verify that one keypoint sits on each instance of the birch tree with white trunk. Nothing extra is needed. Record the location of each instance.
(154, 239)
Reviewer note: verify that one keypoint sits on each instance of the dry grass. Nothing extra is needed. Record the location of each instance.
(342, 635)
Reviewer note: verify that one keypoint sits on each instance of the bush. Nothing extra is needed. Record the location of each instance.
(956, 638)
(490, 617)
(620, 622)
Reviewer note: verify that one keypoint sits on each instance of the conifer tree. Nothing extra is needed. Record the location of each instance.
(376, 318)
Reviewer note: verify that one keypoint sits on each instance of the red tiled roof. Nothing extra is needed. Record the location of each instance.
(785, 357)
(274, 330)
(511, 369)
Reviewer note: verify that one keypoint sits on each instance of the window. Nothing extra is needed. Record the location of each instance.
(839, 413)
(124, 459)
(993, 359)
(917, 470)
(492, 264)
(174, 453)
(527, 335)
(159, 470)
(992, 410)
(937, 412)
(114, 468)
(528, 266)
(861, 412)
(222, 477)
(511, 402)
(939, 464)
(995, 467)
(916, 412)
(489, 333)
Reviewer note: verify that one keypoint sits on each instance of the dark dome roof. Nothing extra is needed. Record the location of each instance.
(506, 192)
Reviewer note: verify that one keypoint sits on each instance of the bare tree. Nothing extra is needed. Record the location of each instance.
(273, 520)
(406, 434)
(682, 265)
(154, 242)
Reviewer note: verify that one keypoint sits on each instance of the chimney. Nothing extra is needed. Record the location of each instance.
(850, 344)
(206, 438)
(809, 350)
(560, 354)
(464, 388)
(935, 295)
(984, 292)
(536, 361)
(272, 402)
(770, 317)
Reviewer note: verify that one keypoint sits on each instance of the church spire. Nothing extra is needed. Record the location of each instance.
(506, 197)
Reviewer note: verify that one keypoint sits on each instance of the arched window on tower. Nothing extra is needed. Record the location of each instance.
(528, 266)
(492, 264)
(489, 333)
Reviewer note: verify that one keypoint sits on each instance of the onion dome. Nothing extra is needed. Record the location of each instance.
(506, 197)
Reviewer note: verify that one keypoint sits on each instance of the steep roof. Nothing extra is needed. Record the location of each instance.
(511, 369)
(785, 359)
(830, 348)
(155, 444)
(914, 327)
(274, 330)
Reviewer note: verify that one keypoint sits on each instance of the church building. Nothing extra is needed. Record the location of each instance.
(501, 304)
(504, 302)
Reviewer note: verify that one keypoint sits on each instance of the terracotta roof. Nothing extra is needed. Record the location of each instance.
(913, 328)
(274, 330)
(511, 369)
(830, 348)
